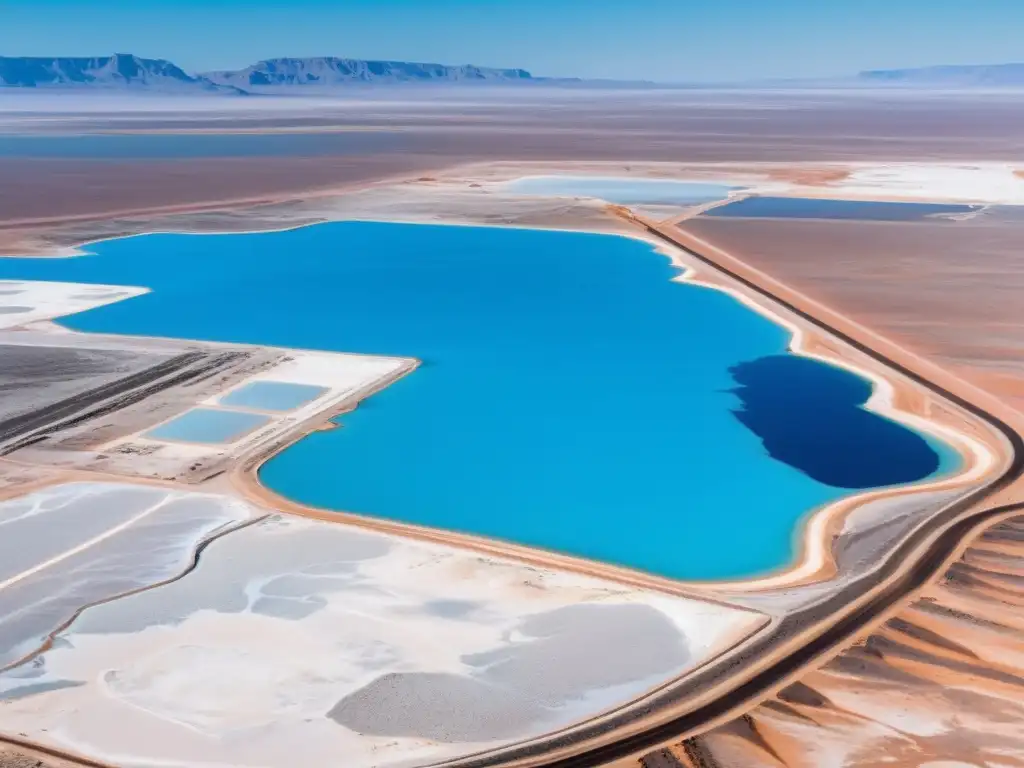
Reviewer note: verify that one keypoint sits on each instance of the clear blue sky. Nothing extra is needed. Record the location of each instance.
(665, 40)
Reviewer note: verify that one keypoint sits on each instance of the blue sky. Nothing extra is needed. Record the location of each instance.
(665, 40)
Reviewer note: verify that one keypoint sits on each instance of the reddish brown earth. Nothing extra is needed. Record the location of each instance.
(414, 132)
(38, 191)
(939, 685)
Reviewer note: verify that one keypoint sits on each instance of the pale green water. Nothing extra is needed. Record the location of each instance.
(272, 396)
(207, 425)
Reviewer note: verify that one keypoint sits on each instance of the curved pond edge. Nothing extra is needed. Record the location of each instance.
(812, 560)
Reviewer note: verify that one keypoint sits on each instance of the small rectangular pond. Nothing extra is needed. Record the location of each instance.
(622, 190)
(208, 425)
(814, 208)
(278, 396)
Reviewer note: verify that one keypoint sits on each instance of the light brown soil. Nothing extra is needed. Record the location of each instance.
(12, 756)
(812, 177)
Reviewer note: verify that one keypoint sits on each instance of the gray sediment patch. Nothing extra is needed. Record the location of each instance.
(301, 586)
(872, 527)
(580, 648)
(292, 610)
(35, 688)
(37, 379)
(566, 655)
(452, 609)
(99, 295)
(442, 707)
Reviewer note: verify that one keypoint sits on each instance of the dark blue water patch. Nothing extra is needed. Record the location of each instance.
(811, 416)
(159, 146)
(812, 208)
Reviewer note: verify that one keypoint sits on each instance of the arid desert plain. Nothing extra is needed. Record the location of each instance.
(371, 431)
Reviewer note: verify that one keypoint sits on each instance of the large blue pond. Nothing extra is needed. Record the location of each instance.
(572, 397)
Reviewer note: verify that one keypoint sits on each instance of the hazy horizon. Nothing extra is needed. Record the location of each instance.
(655, 40)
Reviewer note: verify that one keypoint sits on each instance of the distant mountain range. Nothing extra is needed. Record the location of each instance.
(127, 72)
(965, 76)
(120, 71)
(332, 71)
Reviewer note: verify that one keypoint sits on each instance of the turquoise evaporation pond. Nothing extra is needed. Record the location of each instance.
(272, 395)
(571, 396)
(207, 425)
(621, 190)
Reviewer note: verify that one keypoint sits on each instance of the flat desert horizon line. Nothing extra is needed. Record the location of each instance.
(274, 74)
